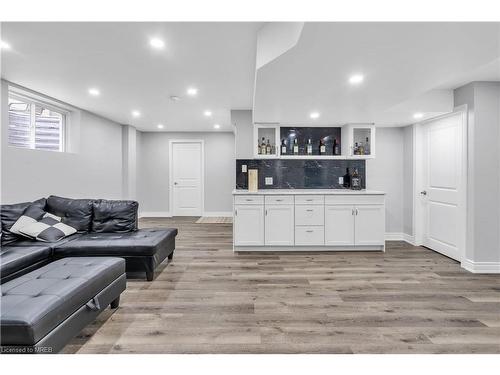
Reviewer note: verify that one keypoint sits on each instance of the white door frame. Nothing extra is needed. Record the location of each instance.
(171, 174)
(418, 170)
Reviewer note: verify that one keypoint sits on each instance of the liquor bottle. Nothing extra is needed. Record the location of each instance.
(309, 147)
(356, 180)
(268, 148)
(263, 146)
(347, 179)
(336, 148)
(259, 149)
(283, 147)
(295, 147)
(322, 147)
(361, 148)
(356, 149)
(367, 146)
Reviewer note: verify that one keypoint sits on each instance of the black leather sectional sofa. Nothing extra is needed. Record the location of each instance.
(50, 291)
(105, 228)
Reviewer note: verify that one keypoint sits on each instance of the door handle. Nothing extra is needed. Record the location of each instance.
(423, 192)
(357, 211)
(266, 212)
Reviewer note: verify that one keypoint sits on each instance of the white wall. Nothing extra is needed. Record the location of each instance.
(483, 190)
(92, 169)
(153, 172)
(385, 173)
(243, 129)
(408, 188)
(129, 160)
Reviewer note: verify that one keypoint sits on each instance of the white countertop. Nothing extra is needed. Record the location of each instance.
(308, 192)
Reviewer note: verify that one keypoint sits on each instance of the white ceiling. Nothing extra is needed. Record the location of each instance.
(408, 67)
(403, 64)
(63, 60)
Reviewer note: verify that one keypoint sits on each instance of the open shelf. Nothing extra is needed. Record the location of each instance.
(345, 138)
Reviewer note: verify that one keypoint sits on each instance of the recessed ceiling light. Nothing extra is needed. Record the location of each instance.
(174, 98)
(418, 115)
(216, 126)
(136, 113)
(4, 45)
(314, 115)
(160, 126)
(192, 91)
(207, 113)
(356, 79)
(94, 92)
(156, 43)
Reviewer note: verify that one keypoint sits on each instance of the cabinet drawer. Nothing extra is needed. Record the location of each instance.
(309, 215)
(354, 199)
(279, 199)
(249, 199)
(309, 236)
(309, 199)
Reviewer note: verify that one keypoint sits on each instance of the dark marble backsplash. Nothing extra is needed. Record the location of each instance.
(299, 173)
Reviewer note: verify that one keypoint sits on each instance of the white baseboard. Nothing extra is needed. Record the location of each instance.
(481, 267)
(218, 214)
(396, 236)
(410, 239)
(155, 214)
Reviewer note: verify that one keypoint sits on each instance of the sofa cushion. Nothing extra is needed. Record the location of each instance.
(143, 242)
(48, 229)
(10, 213)
(77, 213)
(14, 259)
(114, 216)
(36, 303)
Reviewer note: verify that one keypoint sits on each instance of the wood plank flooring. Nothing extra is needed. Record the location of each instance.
(210, 300)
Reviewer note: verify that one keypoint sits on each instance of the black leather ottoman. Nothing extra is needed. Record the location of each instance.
(44, 309)
(143, 249)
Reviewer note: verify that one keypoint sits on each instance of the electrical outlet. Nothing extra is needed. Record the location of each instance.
(341, 180)
(269, 180)
(244, 168)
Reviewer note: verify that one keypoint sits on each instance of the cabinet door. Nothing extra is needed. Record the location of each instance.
(370, 225)
(248, 228)
(279, 224)
(339, 225)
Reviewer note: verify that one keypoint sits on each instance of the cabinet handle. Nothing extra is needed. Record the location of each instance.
(309, 200)
(279, 200)
(309, 210)
(235, 212)
(352, 211)
(357, 211)
(249, 200)
(266, 212)
(309, 231)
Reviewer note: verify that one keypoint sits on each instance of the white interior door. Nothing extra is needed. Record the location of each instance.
(187, 178)
(443, 184)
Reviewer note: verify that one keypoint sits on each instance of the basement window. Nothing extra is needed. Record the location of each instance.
(35, 125)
